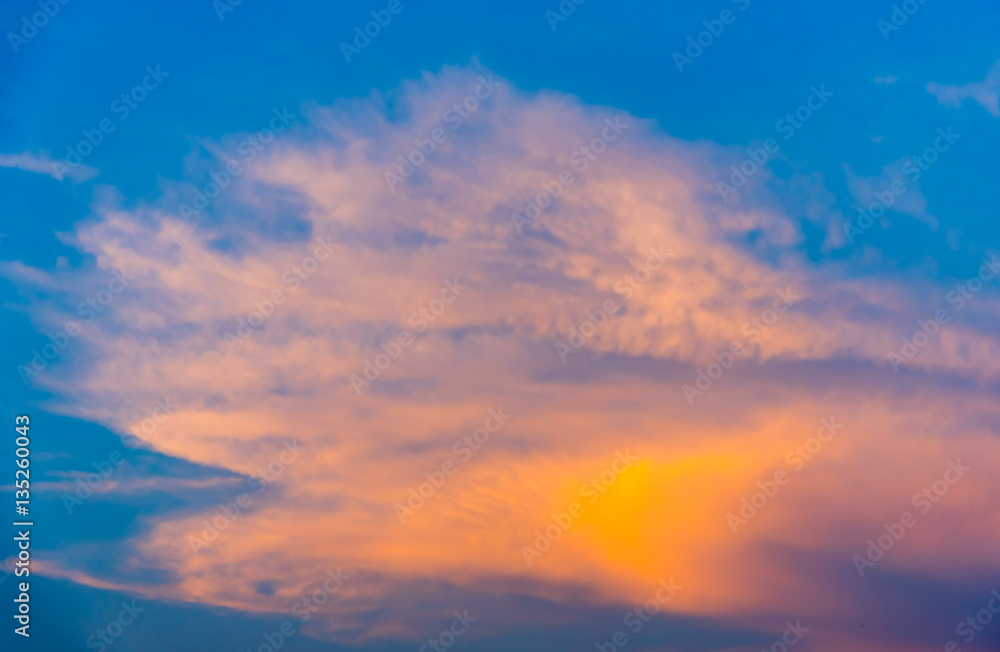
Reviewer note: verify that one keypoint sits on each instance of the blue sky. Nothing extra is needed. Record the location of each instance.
(225, 78)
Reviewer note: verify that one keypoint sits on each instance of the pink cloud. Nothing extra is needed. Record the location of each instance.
(494, 345)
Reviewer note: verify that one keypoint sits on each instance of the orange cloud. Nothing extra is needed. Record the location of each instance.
(312, 322)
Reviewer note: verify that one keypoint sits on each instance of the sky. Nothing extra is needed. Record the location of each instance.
(486, 326)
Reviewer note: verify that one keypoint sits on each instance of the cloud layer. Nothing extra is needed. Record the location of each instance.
(347, 311)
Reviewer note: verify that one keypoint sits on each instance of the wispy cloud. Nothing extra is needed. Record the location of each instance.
(986, 93)
(42, 163)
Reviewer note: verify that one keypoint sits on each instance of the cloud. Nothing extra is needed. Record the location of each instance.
(910, 201)
(255, 333)
(986, 93)
(43, 164)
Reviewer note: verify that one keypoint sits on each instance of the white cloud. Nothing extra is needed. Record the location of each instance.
(43, 164)
(986, 93)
